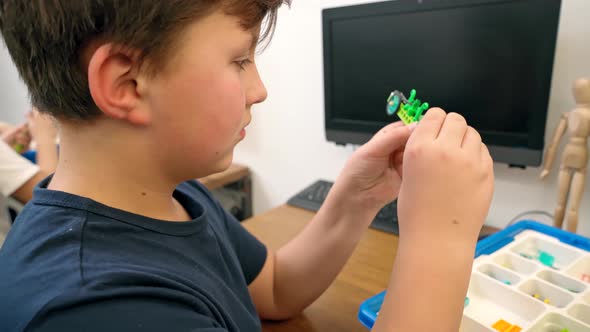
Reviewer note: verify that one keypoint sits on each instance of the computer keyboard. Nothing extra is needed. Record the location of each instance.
(312, 197)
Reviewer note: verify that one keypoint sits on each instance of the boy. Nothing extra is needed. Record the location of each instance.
(150, 94)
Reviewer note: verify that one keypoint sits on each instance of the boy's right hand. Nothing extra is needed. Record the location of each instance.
(448, 180)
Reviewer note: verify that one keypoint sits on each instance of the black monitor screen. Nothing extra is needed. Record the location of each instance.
(490, 61)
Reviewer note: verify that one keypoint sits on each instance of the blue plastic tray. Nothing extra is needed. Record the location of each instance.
(369, 308)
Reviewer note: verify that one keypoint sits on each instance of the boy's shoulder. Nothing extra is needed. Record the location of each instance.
(65, 250)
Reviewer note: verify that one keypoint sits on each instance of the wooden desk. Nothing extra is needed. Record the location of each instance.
(366, 273)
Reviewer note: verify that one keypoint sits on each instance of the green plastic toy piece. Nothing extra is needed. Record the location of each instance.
(466, 302)
(404, 116)
(19, 148)
(408, 110)
(412, 97)
(546, 259)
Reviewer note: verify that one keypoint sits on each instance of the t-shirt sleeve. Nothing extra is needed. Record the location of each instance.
(251, 252)
(126, 314)
(15, 170)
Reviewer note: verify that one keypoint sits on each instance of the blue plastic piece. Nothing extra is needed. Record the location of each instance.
(394, 107)
(369, 308)
(31, 155)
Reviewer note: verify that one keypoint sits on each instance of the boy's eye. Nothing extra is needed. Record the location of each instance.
(243, 63)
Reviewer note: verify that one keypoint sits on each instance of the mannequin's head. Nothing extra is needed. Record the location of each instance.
(582, 91)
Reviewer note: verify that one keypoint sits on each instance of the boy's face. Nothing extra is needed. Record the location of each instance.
(201, 103)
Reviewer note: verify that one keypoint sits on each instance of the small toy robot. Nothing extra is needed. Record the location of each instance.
(408, 110)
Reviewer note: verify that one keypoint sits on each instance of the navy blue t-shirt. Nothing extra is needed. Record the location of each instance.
(72, 264)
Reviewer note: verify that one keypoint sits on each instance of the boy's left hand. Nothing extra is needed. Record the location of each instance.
(372, 176)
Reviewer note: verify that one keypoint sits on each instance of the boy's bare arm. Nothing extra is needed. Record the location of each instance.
(449, 170)
(299, 272)
(25, 192)
(302, 270)
(436, 244)
(428, 280)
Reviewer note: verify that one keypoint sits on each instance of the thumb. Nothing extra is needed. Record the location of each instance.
(389, 139)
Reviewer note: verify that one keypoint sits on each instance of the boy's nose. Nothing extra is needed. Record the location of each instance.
(257, 91)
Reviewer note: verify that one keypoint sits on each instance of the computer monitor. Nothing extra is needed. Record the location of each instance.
(489, 60)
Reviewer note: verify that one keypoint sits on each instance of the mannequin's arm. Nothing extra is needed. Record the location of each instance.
(551, 150)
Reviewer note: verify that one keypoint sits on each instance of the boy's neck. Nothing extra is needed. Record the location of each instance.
(121, 176)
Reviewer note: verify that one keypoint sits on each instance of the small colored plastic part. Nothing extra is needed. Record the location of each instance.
(546, 259)
(412, 96)
(415, 108)
(529, 253)
(393, 105)
(540, 298)
(507, 282)
(501, 325)
(408, 110)
(466, 302)
(19, 148)
(504, 326)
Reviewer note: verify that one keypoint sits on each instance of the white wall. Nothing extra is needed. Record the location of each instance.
(14, 100)
(286, 148)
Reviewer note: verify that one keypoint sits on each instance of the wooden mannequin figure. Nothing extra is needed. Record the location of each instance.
(574, 160)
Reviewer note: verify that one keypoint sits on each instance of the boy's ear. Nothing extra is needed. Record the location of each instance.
(113, 77)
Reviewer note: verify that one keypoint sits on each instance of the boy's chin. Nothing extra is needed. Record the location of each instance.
(218, 165)
(224, 163)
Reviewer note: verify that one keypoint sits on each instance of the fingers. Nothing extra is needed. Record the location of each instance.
(430, 125)
(397, 161)
(472, 141)
(389, 139)
(486, 157)
(453, 130)
(391, 125)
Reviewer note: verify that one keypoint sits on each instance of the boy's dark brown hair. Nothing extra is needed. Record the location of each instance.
(45, 39)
